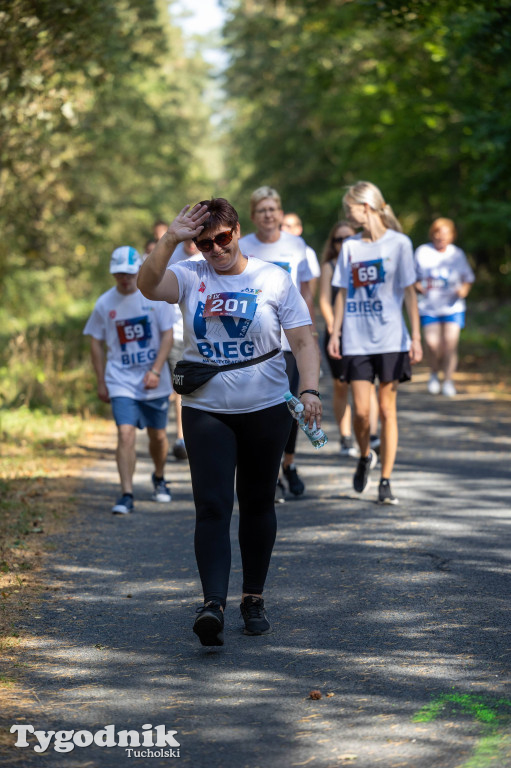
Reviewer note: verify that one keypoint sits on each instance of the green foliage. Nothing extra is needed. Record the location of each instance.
(103, 129)
(102, 126)
(413, 96)
(42, 430)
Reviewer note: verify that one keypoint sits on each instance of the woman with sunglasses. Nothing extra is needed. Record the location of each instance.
(327, 294)
(375, 273)
(236, 425)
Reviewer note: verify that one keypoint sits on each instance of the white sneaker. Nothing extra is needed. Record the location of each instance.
(161, 491)
(434, 385)
(448, 389)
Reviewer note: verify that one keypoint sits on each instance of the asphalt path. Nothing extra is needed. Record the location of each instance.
(385, 610)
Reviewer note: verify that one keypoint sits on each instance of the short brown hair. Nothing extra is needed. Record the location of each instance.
(220, 212)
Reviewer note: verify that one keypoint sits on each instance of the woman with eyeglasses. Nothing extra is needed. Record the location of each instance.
(375, 274)
(236, 425)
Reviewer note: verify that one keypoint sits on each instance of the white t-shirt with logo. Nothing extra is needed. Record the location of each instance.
(131, 326)
(288, 253)
(230, 318)
(375, 276)
(312, 261)
(181, 255)
(441, 275)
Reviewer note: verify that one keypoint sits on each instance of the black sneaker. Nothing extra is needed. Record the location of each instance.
(209, 624)
(296, 487)
(280, 492)
(385, 495)
(364, 467)
(124, 505)
(254, 616)
(347, 447)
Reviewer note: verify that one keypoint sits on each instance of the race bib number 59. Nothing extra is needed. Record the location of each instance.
(134, 329)
(368, 273)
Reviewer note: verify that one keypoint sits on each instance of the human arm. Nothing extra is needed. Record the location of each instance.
(325, 296)
(157, 282)
(412, 311)
(306, 353)
(463, 290)
(306, 292)
(152, 377)
(98, 357)
(419, 287)
(334, 349)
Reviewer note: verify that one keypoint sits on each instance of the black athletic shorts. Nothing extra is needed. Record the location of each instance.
(389, 366)
(337, 367)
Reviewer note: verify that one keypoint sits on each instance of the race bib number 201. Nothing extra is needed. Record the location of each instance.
(230, 305)
(368, 273)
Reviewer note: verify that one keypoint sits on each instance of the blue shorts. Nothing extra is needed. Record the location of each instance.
(456, 317)
(141, 413)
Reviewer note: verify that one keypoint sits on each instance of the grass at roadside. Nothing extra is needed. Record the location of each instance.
(42, 458)
(485, 344)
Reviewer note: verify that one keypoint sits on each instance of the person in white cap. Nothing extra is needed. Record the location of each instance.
(132, 372)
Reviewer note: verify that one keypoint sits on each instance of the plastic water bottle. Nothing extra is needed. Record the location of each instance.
(315, 434)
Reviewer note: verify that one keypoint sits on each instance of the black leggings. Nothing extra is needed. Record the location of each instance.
(294, 379)
(218, 445)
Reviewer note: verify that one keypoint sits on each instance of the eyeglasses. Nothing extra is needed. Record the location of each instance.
(338, 240)
(222, 239)
(262, 211)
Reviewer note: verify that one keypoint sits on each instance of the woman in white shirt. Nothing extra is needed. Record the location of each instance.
(375, 273)
(237, 423)
(444, 279)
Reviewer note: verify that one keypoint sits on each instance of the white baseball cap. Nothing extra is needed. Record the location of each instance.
(125, 259)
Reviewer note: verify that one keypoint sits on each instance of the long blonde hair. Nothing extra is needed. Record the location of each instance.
(366, 192)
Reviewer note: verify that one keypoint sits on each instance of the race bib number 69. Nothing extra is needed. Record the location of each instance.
(368, 273)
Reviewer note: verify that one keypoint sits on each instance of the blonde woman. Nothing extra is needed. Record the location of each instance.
(375, 274)
(444, 279)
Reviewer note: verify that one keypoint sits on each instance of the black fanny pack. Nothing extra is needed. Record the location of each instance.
(189, 376)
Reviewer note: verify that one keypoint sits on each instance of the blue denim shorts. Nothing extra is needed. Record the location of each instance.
(456, 317)
(141, 413)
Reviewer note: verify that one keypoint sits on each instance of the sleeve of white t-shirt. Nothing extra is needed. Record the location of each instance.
(95, 325)
(312, 261)
(467, 275)
(406, 268)
(417, 261)
(167, 315)
(304, 271)
(291, 307)
(340, 278)
(186, 274)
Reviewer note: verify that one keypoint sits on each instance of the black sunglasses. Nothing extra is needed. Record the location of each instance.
(222, 239)
(338, 239)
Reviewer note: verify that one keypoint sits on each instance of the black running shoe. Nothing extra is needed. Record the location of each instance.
(280, 492)
(385, 495)
(296, 487)
(364, 467)
(254, 616)
(209, 624)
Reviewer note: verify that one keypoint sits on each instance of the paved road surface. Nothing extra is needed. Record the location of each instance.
(385, 610)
